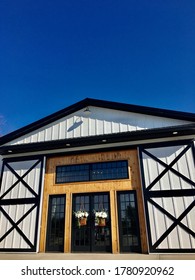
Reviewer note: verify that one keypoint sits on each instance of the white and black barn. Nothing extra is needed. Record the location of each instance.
(128, 170)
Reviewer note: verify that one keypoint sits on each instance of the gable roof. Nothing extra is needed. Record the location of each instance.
(109, 123)
(97, 103)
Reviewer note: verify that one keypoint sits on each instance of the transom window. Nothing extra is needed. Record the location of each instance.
(92, 172)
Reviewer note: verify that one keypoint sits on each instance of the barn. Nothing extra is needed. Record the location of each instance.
(100, 176)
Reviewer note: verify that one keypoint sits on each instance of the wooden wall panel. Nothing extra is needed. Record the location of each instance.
(111, 186)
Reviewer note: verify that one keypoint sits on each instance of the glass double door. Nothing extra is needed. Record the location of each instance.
(91, 233)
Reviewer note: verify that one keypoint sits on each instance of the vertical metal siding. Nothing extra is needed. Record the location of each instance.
(30, 171)
(100, 121)
(159, 222)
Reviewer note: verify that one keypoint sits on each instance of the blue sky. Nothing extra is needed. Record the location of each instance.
(55, 53)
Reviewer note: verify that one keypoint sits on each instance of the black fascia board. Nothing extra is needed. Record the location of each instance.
(142, 109)
(42, 122)
(147, 134)
(97, 103)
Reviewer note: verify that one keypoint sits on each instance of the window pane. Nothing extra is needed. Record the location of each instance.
(109, 171)
(92, 172)
(72, 173)
(128, 222)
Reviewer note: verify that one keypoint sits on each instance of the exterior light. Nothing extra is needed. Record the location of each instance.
(87, 111)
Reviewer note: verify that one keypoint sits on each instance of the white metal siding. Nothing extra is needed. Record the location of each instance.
(16, 211)
(14, 240)
(101, 121)
(20, 191)
(169, 181)
(159, 222)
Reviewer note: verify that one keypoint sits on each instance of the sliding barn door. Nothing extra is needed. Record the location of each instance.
(20, 189)
(168, 175)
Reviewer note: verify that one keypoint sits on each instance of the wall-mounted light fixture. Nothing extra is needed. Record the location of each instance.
(87, 111)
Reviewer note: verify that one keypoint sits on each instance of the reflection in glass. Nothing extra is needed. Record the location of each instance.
(128, 222)
(92, 236)
(55, 227)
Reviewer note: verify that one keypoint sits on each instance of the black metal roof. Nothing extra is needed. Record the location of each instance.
(98, 103)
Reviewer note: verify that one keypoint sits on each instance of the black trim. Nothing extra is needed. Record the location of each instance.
(15, 226)
(91, 233)
(170, 193)
(168, 168)
(128, 248)
(18, 250)
(149, 194)
(98, 103)
(88, 177)
(114, 148)
(56, 224)
(20, 179)
(34, 200)
(130, 136)
(18, 201)
(176, 222)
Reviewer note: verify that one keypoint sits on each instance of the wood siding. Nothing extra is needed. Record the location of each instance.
(111, 186)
